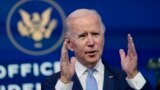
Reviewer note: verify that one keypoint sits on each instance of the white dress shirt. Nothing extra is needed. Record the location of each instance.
(137, 82)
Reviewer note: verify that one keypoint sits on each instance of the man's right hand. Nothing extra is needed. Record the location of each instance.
(67, 67)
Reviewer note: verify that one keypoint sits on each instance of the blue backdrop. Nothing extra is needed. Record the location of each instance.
(28, 54)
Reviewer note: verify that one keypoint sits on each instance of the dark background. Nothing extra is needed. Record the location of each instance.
(140, 18)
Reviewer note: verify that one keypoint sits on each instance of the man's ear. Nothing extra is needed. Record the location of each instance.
(70, 45)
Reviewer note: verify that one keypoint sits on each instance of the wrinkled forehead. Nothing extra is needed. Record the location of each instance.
(84, 22)
(86, 18)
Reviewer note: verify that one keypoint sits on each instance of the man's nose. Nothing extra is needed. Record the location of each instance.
(90, 41)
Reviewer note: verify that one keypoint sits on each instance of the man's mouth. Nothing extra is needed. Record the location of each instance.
(91, 53)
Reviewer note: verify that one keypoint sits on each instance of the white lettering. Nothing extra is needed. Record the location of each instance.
(46, 69)
(2, 87)
(38, 86)
(12, 70)
(56, 66)
(25, 69)
(2, 72)
(28, 86)
(13, 87)
(36, 69)
(24, 86)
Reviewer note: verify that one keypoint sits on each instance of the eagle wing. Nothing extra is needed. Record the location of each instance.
(26, 18)
(51, 27)
(23, 30)
(45, 17)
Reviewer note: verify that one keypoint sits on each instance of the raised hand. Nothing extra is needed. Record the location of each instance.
(67, 67)
(129, 60)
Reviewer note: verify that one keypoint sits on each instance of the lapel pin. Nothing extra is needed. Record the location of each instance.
(110, 77)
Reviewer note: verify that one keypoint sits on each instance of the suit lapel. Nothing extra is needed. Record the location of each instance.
(109, 80)
(77, 84)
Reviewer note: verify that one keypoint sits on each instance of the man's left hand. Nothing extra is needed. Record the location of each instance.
(129, 60)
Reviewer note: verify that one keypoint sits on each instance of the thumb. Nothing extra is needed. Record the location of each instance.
(73, 60)
(122, 54)
(72, 65)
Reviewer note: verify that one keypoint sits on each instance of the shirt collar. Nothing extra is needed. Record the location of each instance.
(80, 69)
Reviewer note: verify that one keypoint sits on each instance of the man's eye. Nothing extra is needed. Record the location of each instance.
(82, 36)
(95, 34)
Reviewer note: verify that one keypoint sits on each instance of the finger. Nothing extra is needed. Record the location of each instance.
(131, 47)
(129, 39)
(72, 65)
(122, 55)
(64, 51)
(73, 60)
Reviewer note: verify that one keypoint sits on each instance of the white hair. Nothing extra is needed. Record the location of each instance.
(82, 13)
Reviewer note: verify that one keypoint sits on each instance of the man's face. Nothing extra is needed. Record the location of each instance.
(87, 39)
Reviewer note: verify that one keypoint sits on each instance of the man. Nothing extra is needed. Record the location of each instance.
(85, 37)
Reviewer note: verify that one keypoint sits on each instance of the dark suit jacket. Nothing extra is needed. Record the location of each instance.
(113, 80)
